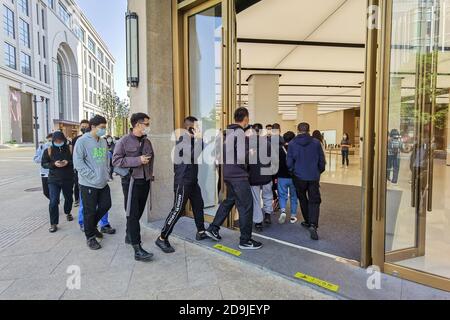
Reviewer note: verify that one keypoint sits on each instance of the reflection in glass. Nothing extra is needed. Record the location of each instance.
(418, 148)
(205, 79)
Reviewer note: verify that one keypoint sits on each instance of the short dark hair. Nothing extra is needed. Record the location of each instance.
(49, 136)
(240, 114)
(269, 126)
(138, 117)
(97, 120)
(288, 136)
(303, 127)
(276, 126)
(257, 127)
(84, 122)
(190, 119)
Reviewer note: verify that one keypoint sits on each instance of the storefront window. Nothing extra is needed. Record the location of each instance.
(418, 148)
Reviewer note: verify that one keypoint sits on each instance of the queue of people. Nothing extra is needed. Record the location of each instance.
(93, 157)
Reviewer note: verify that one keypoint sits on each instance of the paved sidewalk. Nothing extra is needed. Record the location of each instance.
(34, 263)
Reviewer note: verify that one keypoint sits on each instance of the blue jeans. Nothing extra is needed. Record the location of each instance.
(286, 188)
(55, 193)
(393, 165)
(103, 222)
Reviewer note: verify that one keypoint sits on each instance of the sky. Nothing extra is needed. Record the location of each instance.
(108, 18)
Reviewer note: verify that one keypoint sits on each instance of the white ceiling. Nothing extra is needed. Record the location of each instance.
(305, 20)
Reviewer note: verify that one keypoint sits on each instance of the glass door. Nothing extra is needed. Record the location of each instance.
(416, 205)
(207, 53)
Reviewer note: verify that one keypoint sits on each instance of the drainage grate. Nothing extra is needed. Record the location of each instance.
(13, 234)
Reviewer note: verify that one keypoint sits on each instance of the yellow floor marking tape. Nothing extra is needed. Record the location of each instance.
(317, 282)
(228, 250)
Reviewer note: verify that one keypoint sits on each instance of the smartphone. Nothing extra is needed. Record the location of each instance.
(191, 130)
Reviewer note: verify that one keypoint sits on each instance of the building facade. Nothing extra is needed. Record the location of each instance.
(54, 68)
(389, 70)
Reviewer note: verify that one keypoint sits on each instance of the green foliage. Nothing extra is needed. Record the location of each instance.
(115, 111)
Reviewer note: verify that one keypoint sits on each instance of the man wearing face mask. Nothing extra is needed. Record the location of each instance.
(84, 128)
(57, 158)
(38, 159)
(134, 152)
(91, 162)
(236, 155)
(186, 186)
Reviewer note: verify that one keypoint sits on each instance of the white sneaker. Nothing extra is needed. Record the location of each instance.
(294, 220)
(282, 218)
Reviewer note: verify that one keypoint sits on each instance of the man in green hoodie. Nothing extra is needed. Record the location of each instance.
(91, 162)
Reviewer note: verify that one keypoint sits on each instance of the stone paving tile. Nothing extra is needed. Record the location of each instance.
(89, 261)
(42, 288)
(5, 285)
(192, 293)
(33, 265)
(100, 286)
(39, 243)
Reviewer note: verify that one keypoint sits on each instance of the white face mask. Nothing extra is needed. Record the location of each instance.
(146, 131)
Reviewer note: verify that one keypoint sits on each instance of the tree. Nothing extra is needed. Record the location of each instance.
(123, 112)
(115, 111)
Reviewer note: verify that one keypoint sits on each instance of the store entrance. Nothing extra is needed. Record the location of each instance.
(299, 62)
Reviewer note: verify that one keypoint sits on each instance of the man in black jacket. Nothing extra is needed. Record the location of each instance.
(260, 181)
(58, 159)
(236, 176)
(186, 187)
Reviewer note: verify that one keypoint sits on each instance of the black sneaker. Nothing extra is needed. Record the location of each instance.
(108, 229)
(268, 218)
(141, 255)
(250, 245)
(201, 236)
(305, 225)
(69, 217)
(313, 232)
(53, 228)
(93, 244)
(259, 227)
(213, 234)
(164, 245)
(98, 234)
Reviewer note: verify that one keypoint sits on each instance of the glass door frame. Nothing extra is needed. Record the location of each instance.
(381, 104)
(181, 11)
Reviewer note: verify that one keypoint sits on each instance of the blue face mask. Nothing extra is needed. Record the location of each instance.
(101, 132)
(58, 145)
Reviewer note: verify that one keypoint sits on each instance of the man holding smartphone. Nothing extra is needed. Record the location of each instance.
(188, 148)
(135, 152)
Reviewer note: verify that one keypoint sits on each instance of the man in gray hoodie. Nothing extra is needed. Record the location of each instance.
(91, 162)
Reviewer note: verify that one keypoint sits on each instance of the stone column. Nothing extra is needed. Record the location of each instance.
(154, 95)
(448, 137)
(263, 97)
(308, 113)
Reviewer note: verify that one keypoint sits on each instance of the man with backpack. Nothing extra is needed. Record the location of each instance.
(57, 158)
(134, 155)
(394, 151)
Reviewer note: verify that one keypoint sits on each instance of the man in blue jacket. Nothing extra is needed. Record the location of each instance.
(307, 161)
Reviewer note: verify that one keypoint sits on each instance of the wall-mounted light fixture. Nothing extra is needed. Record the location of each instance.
(132, 30)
